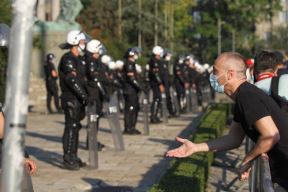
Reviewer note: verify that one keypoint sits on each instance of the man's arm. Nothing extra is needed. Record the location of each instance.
(232, 140)
(1, 125)
(269, 136)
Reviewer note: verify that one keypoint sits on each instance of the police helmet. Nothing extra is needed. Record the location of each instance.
(119, 64)
(74, 37)
(131, 52)
(105, 59)
(95, 46)
(157, 50)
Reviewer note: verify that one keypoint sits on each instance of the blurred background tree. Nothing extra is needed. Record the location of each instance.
(183, 26)
(5, 17)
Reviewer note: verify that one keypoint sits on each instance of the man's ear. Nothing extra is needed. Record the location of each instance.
(230, 74)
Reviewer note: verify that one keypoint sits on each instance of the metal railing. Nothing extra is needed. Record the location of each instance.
(260, 177)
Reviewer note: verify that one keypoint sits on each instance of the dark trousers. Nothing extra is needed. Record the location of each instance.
(74, 113)
(52, 91)
(199, 95)
(156, 101)
(168, 99)
(131, 110)
(180, 90)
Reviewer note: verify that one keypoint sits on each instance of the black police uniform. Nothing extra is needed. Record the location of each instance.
(95, 78)
(155, 82)
(120, 92)
(186, 75)
(164, 72)
(196, 78)
(74, 96)
(132, 87)
(51, 85)
(95, 88)
(179, 81)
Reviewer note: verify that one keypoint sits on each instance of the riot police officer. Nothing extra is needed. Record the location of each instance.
(199, 80)
(166, 81)
(74, 97)
(51, 77)
(156, 82)
(179, 80)
(132, 87)
(95, 79)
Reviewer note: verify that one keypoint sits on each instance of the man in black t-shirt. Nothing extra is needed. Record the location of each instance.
(256, 115)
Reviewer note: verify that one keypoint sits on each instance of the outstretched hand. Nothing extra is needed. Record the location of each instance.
(30, 166)
(186, 149)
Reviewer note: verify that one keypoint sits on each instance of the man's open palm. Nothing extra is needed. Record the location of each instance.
(187, 148)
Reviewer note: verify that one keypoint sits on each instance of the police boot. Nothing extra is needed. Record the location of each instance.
(49, 109)
(128, 129)
(57, 105)
(70, 159)
(100, 146)
(154, 111)
(75, 150)
(134, 122)
(172, 113)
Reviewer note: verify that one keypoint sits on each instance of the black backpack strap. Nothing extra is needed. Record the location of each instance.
(274, 86)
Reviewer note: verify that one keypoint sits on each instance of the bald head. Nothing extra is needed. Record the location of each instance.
(232, 60)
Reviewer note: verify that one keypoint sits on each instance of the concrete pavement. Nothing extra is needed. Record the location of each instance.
(135, 169)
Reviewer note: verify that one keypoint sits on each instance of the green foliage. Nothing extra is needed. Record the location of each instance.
(3, 66)
(5, 17)
(5, 12)
(191, 173)
(101, 20)
(240, 16)
(278, 40)
(184, 26)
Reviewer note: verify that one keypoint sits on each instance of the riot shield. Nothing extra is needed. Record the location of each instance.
(114, 122)
(164, 108)
(146, 113)
(92, 122)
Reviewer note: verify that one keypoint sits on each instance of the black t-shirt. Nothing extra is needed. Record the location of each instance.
(252, 104)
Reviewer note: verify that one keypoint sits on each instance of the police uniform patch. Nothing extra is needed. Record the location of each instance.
(130, 67)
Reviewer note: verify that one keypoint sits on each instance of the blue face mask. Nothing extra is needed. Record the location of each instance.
(214, 83)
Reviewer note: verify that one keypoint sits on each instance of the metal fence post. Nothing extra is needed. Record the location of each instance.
(146, 113)
(17, 94)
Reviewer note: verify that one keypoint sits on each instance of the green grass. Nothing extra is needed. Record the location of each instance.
(190, 174)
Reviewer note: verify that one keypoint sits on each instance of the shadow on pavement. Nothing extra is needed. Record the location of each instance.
(99, 186)
(46, 137)
(49, 157)
(51, 138)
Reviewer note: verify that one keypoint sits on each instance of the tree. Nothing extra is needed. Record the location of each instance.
(5, 17)
(240, 16)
